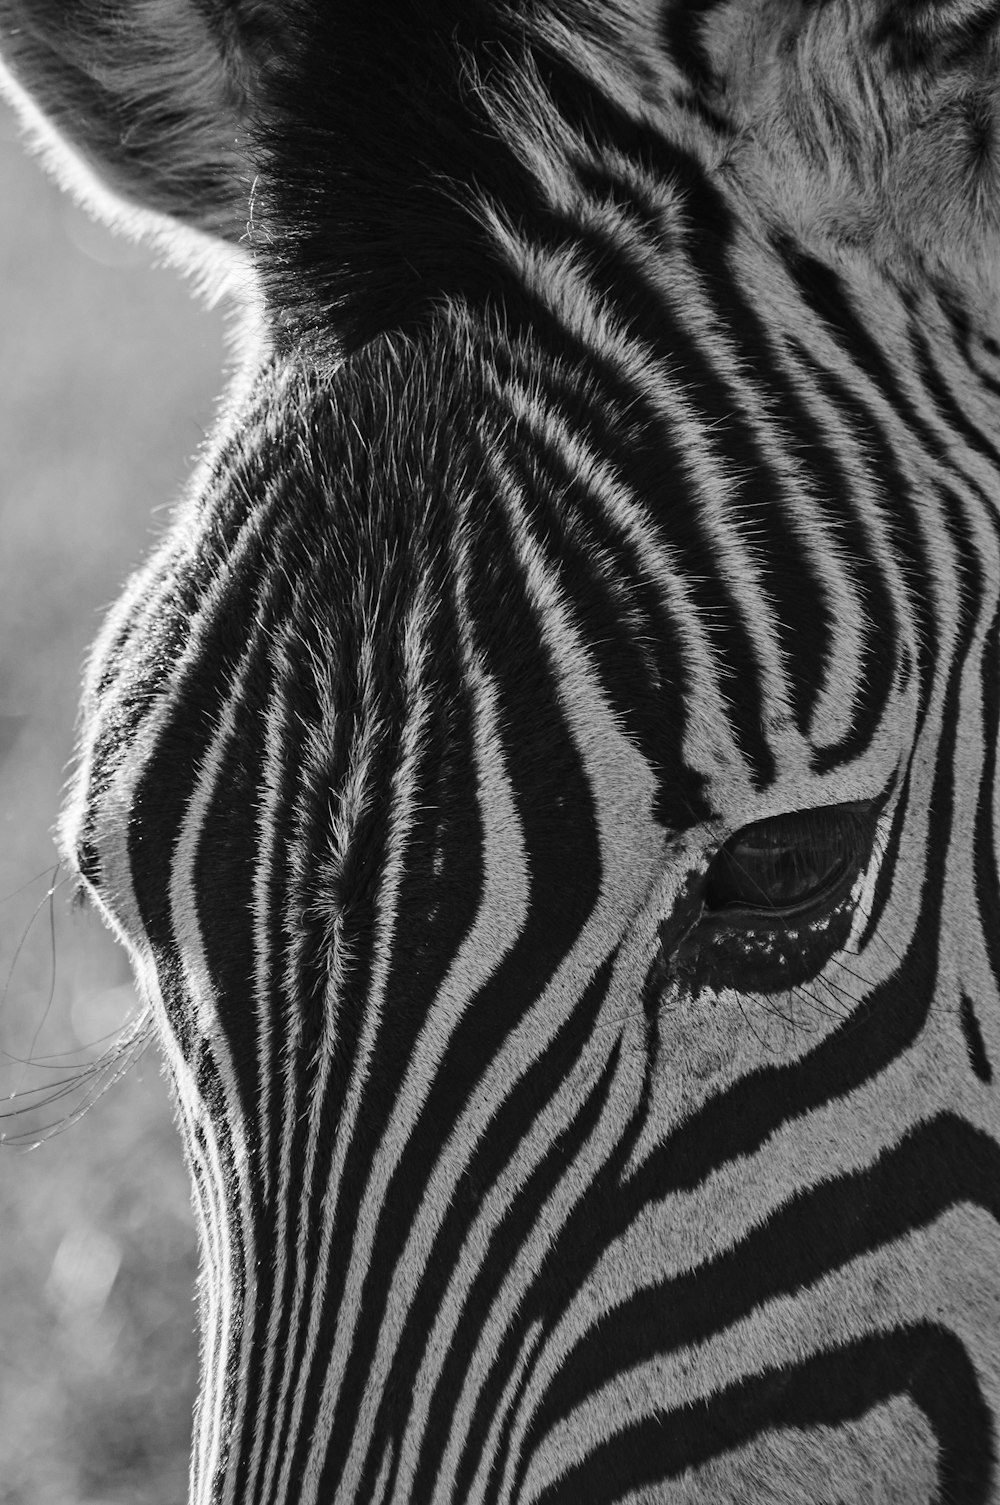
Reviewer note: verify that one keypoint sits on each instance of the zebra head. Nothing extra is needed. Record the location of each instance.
(545, 778)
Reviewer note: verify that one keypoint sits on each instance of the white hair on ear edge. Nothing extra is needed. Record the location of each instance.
(140, 109)
(217, 267)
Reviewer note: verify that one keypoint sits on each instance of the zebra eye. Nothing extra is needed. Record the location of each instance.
(775, 904)
(783, 866)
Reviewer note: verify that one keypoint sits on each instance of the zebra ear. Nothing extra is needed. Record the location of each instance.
(141, 107)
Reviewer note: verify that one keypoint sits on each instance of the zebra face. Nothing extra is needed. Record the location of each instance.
(545, 777)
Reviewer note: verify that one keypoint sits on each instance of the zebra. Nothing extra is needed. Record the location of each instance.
(545, 777)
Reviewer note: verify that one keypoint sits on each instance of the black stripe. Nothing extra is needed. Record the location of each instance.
(987, 877)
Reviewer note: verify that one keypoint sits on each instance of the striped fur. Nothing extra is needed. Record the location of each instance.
(620, 471)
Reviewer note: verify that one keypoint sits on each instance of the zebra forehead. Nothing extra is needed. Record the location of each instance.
(381, 524)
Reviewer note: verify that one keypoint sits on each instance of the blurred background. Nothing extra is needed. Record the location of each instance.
(108, 378)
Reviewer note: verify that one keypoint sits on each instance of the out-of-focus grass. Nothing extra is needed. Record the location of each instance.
(108, 373)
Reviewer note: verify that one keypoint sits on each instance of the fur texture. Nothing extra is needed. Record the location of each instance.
(546, 777)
